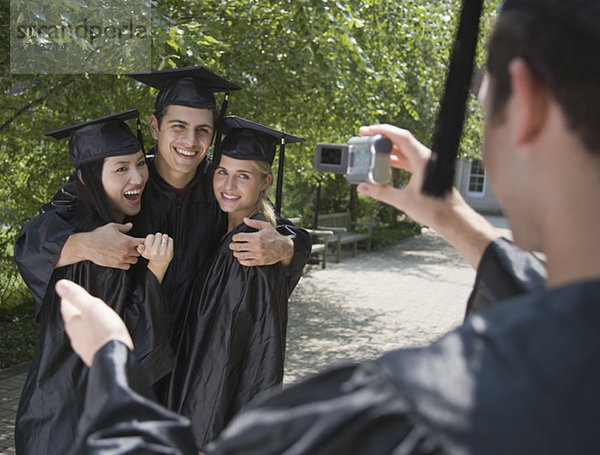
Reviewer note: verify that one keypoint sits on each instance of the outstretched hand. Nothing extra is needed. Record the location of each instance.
(264, 247)
(89, 322)
(449, 215)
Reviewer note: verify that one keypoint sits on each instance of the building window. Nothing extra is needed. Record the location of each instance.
(476, 179)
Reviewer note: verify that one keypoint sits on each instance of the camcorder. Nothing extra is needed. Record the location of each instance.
(363, 159)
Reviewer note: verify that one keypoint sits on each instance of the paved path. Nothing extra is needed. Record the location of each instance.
(404, 295)
(11, 383)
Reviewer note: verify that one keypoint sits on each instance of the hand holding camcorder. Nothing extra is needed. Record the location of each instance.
(364, 159)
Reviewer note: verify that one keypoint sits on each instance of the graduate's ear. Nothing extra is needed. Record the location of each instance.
(79, 176)
(154, 127)
(532, 99)
(268, 182)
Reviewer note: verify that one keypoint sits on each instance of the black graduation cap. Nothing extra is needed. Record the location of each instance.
(247, 140)
(439, 177)
(100, 138)
(192, 86)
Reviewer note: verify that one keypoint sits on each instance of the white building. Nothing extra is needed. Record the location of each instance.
(471, 181)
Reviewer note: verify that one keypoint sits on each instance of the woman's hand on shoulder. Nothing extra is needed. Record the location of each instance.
(158, 249)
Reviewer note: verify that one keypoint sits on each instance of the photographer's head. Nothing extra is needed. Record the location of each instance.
(560, 42)
(542, 143)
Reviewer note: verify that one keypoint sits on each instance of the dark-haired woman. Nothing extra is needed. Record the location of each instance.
(112, 173)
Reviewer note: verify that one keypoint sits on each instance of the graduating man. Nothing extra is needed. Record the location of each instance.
(178, 201)
(520, 377)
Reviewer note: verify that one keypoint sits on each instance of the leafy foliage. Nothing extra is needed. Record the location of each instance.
(18, 335)
(388, 235)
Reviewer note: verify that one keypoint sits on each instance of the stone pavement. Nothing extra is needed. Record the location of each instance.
(11, 383)
(404, 295)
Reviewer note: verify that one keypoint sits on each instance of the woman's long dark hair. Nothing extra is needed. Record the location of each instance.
(92, 192)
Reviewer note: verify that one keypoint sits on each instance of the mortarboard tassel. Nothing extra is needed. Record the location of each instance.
(219, 132)
(449, 124)
(139, 134)
(279, 189)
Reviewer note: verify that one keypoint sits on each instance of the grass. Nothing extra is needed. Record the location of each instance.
(18, 334)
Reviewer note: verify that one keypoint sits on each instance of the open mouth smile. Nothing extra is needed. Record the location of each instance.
(133, 195)
(186, 152)
(230, 197)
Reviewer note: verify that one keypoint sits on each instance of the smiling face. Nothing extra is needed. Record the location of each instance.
(123, 180)
(238, 185)
(184, 136)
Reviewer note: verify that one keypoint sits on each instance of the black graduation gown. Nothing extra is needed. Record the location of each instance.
(53, 394)
(41, 240)
(118, 392)
(520, 378)
(195, 222)
(233, 344)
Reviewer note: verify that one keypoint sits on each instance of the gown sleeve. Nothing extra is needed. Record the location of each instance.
(41, 240)
(346, 409)
(505, 271)
(121, 416)
(147, 320)
(302, 246)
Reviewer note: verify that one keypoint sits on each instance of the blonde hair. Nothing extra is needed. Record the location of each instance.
(264, 205)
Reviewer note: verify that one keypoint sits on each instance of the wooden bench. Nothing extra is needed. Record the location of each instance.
(320, 240)
(341, 224)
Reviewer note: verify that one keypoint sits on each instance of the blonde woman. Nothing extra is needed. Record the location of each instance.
(233, 343)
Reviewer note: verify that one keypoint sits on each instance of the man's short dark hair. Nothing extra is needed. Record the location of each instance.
(562, 57)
